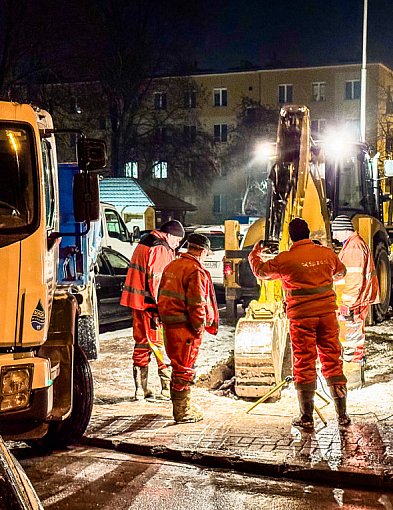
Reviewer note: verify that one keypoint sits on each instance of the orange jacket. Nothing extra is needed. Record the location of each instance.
(306, 272)
(360, 286)
(148, 261)
(186, 296)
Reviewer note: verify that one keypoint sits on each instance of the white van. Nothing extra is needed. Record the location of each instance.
(214, 262)
(114, 233)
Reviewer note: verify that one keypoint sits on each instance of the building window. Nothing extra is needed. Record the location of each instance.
(160, 101)
(160, 170)
(131, 169)
(352, 89)
(189, 134)
(220, 132)
(285, 93)
(218, 204)
(389, 143)
(220, 97)
(161, 135)
(190, 99)
(353, 128)
(102, 123)
(318, 127)
(389, 101)
(319, 91)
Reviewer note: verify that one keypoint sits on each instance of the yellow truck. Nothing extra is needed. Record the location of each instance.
(317, 182)
(46, 387)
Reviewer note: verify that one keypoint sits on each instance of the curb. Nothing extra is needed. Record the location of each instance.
(376, 479)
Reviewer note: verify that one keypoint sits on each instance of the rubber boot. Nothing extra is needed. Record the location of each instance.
(140, 378)
(165, 379)
(339, 395)
(306, 406)
(183, 412)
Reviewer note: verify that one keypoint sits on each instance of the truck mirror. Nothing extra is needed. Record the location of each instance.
(136, 233)
(388, 168)
(92, 154)
(86, 197)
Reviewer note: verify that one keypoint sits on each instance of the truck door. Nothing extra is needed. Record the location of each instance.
(116, 234)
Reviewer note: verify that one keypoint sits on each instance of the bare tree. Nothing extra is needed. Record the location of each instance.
(256, 124)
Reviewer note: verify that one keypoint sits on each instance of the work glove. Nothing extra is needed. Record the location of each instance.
(345, 312)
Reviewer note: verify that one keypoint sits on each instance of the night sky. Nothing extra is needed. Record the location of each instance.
(297, 32)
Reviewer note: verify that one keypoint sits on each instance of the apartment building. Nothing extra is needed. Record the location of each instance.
(331, 92)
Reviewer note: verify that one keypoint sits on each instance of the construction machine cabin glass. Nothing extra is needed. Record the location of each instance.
(18, 183)
(349, 184)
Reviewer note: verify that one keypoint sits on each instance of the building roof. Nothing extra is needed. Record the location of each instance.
(124, 192)
(165, 201)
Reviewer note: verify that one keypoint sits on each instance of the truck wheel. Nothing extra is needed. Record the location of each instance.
(382, 266)
(88, 331)
(63, 433)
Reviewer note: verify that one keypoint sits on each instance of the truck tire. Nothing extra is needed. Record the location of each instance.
(88, 331)
(382, 266)
(64, 433)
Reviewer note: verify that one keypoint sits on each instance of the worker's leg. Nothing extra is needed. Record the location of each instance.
(182, 348)
(360, 314)
(141, 355)
(304, 355)
(304, 352)
(329, 349)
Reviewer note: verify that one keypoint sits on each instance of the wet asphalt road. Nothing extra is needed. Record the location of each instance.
(84, 478)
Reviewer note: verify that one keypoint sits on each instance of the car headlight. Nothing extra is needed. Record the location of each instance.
(15, 387)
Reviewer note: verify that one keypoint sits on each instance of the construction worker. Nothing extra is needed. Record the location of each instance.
(358, 290)
(187, 306)
(306, 272)
(153, 253)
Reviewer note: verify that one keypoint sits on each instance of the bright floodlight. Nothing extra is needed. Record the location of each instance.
(338, 143)
(264, 151)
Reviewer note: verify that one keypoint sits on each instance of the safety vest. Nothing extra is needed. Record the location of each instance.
(148, 261)
(360, 286)
(306, 272)
(186, 296)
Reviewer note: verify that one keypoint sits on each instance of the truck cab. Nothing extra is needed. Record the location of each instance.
(45, 380)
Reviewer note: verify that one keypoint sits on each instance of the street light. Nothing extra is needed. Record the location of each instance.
(363, 77)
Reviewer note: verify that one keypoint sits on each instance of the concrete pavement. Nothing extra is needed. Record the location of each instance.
(263, 441)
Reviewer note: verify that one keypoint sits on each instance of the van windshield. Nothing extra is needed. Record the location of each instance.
(217, 241)
(17, 178)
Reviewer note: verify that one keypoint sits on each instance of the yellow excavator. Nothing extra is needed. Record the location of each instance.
(316, 182)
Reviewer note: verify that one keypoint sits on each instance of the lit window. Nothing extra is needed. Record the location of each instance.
(285, 93)
(220, 132)
(160, 170)
(220, 97)
(352, 89)
(160, 101)
(131, 169)
(319, 91)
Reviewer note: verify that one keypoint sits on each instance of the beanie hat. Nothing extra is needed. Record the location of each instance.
(199, 241)
(341, 223)
(173, 227)
(298, 230)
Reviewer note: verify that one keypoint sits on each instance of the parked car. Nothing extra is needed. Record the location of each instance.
(111, 273)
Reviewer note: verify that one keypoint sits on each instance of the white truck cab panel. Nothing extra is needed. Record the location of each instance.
(114, 232)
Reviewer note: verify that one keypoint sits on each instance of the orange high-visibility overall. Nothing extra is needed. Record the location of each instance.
(187, 306)
(140, 291)
(306, 272)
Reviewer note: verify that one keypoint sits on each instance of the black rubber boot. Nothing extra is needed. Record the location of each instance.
(306, 406)
(339, 395)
